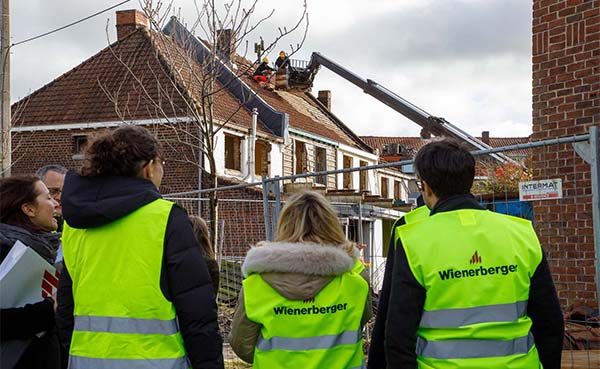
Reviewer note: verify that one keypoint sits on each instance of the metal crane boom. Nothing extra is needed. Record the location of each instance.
(436, 125)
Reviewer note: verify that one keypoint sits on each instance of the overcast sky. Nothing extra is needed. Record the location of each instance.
(468, 61)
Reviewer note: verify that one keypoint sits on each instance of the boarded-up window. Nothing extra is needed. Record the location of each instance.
(321, 164)
(261, 158)
(396, 190)
(384, 187)
(364, 183)
(232, 152)
(301, 158)
(347, 176)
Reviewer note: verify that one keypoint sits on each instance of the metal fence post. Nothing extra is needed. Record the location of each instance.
(265, 188)
(277, 207)
(595, 174)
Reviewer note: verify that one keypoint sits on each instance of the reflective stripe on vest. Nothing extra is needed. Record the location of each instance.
(78, 362)
(481, 314)
(125, 325)
(308, 343)
(468, 349)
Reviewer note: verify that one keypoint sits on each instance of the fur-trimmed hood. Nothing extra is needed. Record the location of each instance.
(298, 271)
(304, 258)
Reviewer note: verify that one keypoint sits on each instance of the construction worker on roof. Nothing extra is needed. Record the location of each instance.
(282, 61)
(263, 73)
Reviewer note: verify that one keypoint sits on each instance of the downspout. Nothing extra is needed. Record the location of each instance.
(251, 147)
(200, 168)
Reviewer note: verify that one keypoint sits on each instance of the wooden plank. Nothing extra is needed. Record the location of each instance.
(580, 359)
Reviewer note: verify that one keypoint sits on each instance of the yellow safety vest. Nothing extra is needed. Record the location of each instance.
(122, 318)
(419, 213)
(412, 216)
(324, 332)
(475, 266)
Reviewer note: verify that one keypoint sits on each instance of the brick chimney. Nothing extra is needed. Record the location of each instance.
(325, 98)
(225, 42)
(485, 137)
(128, 21)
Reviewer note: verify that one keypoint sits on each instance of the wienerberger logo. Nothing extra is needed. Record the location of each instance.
(477, 272)
(475, 259)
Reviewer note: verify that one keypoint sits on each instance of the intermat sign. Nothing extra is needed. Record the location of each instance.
(545, 189)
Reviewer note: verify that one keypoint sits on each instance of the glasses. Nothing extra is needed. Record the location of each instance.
(419, 183)
(158, 160)
(54, 191)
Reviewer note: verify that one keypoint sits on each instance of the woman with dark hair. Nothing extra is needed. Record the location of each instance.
(27, 335)
(201, 231)
(135, 291)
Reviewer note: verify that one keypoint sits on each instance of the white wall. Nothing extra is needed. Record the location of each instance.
(356, 155)
(276, 158)
(377, 260)
(219, 153)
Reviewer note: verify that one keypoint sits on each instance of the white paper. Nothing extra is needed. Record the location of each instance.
(25, 277)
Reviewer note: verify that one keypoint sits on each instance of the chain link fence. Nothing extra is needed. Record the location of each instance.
(248, 214)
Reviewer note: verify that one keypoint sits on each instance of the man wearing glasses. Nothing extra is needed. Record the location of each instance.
(470, 288)
(53, 176)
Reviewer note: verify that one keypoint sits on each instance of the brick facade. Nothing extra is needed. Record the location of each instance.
(566, 102)
(244, 220)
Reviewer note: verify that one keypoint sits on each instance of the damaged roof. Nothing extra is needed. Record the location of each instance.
(128, 80)
(147, 75)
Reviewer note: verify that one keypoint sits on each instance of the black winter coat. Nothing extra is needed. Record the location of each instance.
(262, 69)
(94, 201)
(20, 345)
(213, 270)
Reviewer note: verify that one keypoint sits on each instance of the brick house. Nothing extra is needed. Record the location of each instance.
(393, 149)
(295, 132)
(566, 102)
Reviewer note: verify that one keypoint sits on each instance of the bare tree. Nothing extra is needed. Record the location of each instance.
(16, 139)
(184, 94)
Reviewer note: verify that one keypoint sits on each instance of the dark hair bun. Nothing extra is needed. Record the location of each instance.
(122, 152)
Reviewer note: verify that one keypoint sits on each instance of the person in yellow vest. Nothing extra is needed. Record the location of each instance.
(135, 291)
(376, 347)
(470, 288)
(302, 304)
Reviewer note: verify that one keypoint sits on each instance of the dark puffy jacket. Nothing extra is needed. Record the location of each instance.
(20, 345)
(94, 201)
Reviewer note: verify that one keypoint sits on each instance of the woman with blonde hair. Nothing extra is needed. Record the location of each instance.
(303, 304)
